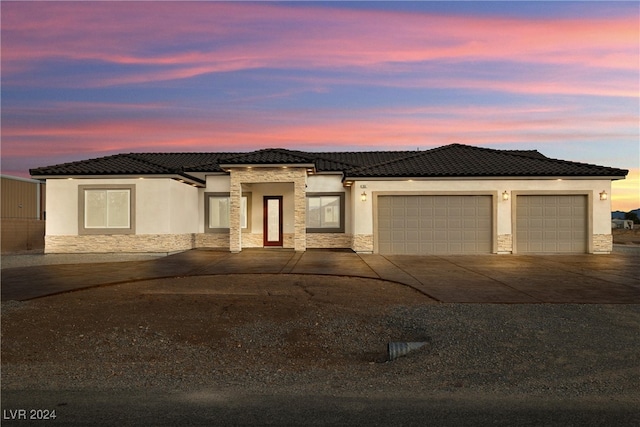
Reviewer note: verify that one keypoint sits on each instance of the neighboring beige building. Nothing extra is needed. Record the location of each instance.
(23, 225)
(455, 199)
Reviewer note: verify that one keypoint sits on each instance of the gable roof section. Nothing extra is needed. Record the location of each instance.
(455, 160)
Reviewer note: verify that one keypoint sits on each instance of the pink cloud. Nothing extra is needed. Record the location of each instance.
(183, 40)
(382, 128)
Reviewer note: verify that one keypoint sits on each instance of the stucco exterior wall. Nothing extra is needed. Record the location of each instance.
(218, 183)
(183, 208)
(162, 205)
(62, 207)
(325, 183)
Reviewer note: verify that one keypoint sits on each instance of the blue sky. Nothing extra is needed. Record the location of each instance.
(88, 79)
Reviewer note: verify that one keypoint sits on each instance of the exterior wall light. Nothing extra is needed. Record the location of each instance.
(603, 195)
(505, 196)
(363, 196)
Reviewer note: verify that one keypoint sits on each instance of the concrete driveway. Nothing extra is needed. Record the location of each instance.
(596, 279)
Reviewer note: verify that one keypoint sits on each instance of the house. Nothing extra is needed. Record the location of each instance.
(456, 199)
(22, 214)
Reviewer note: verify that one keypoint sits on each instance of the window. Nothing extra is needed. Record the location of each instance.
(218, 212)
(218, 209)
(325, 213)
(106, 209)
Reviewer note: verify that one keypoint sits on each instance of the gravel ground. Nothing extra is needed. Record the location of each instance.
(310, 335)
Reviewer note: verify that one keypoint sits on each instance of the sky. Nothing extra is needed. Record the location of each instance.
(88, 79)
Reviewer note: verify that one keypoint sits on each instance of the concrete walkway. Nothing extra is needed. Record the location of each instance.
(467, 279)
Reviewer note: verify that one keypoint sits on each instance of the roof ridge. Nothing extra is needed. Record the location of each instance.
(245, 153)
(328, 159)
(299, 153)
(218, 154)
(413, 154)
(135, 156)
(272, 151)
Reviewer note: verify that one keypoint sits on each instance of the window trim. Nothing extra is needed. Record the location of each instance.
(339, 229)
(207, 195)
(82, 230)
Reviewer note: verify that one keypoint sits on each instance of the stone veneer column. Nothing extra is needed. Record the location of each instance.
(505, 243)
(602, 243)
(300, 211)
(235, 228)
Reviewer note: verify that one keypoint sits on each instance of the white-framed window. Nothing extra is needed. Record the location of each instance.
(104, 209)
(325, 212)
(218, 209)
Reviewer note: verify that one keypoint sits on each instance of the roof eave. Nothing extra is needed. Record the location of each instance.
(188, 179)
(483, 177)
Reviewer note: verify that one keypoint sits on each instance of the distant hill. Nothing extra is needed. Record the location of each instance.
(620, 214)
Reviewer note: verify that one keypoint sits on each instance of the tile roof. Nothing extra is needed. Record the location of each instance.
(458, 160)
(269, 156)
(118, 164)
(455, 160)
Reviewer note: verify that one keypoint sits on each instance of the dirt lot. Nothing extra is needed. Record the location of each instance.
(163, 332)
(626, 237)
(311, 350)
(315, 335)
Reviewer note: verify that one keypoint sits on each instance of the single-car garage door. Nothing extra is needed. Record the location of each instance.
(418, 225)
(551, 224)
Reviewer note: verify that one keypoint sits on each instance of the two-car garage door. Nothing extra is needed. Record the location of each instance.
(419, 225)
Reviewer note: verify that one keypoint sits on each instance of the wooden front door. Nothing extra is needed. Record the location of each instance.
(272, 221)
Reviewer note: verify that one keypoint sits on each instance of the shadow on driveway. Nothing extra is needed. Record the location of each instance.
(597, 279)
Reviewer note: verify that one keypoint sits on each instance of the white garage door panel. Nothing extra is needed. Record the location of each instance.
(551, 224)
(434, 224)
